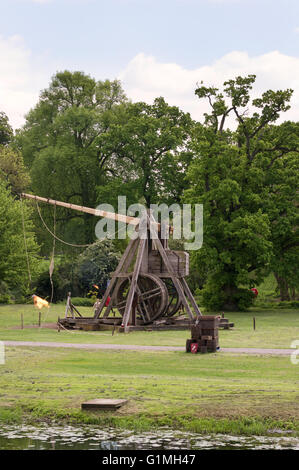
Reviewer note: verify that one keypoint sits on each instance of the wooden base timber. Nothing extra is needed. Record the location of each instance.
(115, 323)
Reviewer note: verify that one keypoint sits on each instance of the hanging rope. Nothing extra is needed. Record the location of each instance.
(25, 242)
(62, 241)
(51, 267)
(53, 234)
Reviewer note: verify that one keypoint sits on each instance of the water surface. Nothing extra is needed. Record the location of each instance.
(24, 437)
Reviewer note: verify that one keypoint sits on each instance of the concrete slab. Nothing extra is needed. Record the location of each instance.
(103, 404)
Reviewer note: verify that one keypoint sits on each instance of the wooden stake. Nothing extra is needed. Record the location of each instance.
(39, 318)
(254, 323)
(22, 322)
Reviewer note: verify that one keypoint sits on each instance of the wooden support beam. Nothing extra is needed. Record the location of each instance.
(190, 296)
(114, 279)
(126, 266)
(133, 285)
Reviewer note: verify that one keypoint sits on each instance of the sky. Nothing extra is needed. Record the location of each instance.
(155, 47)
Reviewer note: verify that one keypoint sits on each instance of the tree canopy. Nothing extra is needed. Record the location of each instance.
(60, 143)
(236, 175)
(6, 132)
(18, 247)
(149, 145)
(85, 143)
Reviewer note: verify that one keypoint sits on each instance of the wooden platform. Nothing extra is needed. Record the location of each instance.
(97, 324)
(103, 404)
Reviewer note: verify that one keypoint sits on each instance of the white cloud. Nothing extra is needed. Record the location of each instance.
(145, 78)
(22, 76)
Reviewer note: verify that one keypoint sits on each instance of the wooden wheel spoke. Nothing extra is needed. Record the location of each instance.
(149, 294)
(152, 297)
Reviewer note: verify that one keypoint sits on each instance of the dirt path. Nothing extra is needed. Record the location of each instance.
(257, 351)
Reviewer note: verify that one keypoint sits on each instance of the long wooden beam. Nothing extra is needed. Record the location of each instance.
(99, 213)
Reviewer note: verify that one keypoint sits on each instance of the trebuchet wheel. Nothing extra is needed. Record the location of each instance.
(151, 297)
(174, 301)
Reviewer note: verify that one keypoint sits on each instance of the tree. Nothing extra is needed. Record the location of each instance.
(230, 176)
(12, 170)
(148, 145)
(6, 132)
(60, 144)
(17, 255)
(280, 203)
(95, 265)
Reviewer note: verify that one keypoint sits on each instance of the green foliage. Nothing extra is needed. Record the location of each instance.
(6, 132)
(83, 301)
(245, 181)
(147, 142)
(78, 274)
(95, 265)
(61, 285)
(13, 260)
(12, 170)
(61, 145)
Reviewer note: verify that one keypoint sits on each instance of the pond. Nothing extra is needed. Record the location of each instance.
(24, 437)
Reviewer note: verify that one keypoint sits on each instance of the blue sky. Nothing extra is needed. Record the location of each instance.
(155, 47)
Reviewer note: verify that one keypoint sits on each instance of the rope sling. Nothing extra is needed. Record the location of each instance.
(55, 237)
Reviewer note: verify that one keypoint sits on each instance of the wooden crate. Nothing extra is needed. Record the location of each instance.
(179, 261)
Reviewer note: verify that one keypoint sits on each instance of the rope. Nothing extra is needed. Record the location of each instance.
(59, 239)
(53, 234)
(51, 267)
(25, 243)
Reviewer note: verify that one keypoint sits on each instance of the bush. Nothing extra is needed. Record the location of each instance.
(288, 304)
(5, 299)
(83, 301)
(215, 298)
(78, 274)
(43, 286)
(95, 265)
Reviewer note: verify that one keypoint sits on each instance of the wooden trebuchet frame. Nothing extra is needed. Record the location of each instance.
(143, 301)
(149, 282)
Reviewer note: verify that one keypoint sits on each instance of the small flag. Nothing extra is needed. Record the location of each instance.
(39, 303)
(194, 348)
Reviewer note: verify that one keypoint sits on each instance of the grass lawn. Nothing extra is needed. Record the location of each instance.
(203, 393)
(274, 329)
(237, 394)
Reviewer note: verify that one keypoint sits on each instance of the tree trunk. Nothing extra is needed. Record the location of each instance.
(283, 287)
(230, 304)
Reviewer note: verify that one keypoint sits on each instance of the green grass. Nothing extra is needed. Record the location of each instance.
(202, 393)
(235, 394)
(274, 329)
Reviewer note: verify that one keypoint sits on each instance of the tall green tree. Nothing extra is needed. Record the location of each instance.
(18, 249)
(60, 144)
(12, 169)
(230, 177)
(6, 132)
(149, 148)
